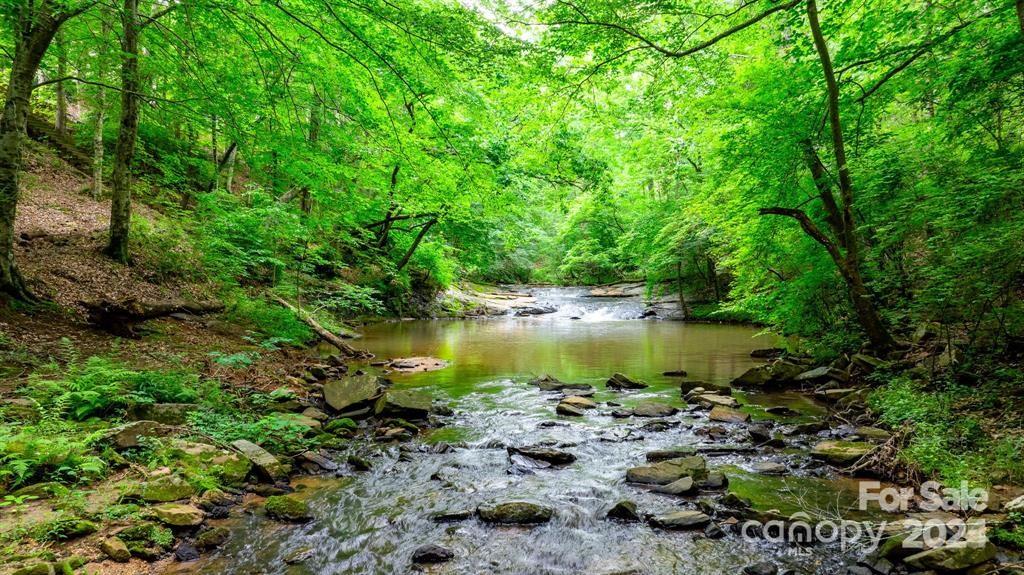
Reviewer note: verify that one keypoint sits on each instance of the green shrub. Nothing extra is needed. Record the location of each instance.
(273, 432)
(269, 319)
(50, 451)
(166, 250)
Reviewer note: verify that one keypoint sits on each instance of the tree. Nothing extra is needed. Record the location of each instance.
(124, 150)
(34, 26)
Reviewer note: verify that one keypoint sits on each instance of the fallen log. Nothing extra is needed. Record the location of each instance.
(122, 317)
(324, 333)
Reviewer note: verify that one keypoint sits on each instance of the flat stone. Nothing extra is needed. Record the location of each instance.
(352, 392)
(665, 472)
(212, 538)
(652, 409)
(411, 364)
(841, 452)
(165, 413)
(680, 486)
(713, 400)
(621, 381)
(671, 453)
(314, 413)
(568, 409)
(179, 514)
(261, 459)
(873, 433)
(230, 467)
(687, 519)
(770, 468)
(728, 415)
(579, 402)
(548, 454)
(714, 480)
(515, 512)
(958, 556)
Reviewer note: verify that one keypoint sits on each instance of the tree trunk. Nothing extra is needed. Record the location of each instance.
(1020, 15)
(61, 119)
(36, 29)
(121, 199)
(416, 243)
(229, 176)
(849, 263)
(713, 278)
(97, 144)
(679, 286)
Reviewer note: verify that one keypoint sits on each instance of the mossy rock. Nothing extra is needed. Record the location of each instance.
(66, 529)
(165, 489)
(147, 535)
(341, 425)
(287, 508)
(36, 569)
(229, 467)
(212, 538)
(115, 549)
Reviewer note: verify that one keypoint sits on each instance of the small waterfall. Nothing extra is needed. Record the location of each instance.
(576, 303)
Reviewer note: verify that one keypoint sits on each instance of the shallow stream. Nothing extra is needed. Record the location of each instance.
(370, 522)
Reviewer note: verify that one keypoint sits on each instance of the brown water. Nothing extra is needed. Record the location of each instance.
(370, 522)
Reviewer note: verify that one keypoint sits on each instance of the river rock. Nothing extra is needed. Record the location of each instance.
(670, 453)
(680, 486)
(753, 377)
(514, 512)
(708, 400)
(767, 353)
(212, 538)
(779, 372)
(621, 381)
(822, 374)
(534, 310)
(568, 409)
(770, 468)
(781, 411)
(405, 404)
(579, 402)
(665, 472)
(841, 452)
(866, 362)
(652, 409)
(266, 463)
(314, 413)
(728, 415)
(872, 433)
(351, 392)
(973, 550)
(287, 508)
(674, 373)
(230, 467)
(687, 519)
(547, 454)
(714, 480)
(115, 549)
(427, 554)
(409, 364)
(624, 510)
(178, 514)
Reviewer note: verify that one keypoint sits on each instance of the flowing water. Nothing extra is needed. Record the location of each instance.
(370, 522)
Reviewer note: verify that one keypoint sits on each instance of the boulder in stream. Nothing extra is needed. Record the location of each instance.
(514, 512)
(709, 400)
(405, 404)
(287, 508)
(351, 392)
(621, 381)
(579, 402)
(686, 519)
(841, 452)
(265, 463)
(653, 409)
(728, 415)
(564, 408)
(665, 472)
(624, 510)
(431, 553)
(547, 454)
(680, 486)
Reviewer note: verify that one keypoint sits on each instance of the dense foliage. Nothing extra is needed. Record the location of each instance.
(828, 169)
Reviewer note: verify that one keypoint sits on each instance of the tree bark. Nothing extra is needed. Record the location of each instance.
(97, 144)
(61, 119)
(323, 332)
(35, 29)
(121, 317)
(679, 286)
(1020, 15)
(416, 243)
(121, 198)
(850, 263)
(230, 175)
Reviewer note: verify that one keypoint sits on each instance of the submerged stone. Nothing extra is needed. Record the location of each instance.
(624, 510)
(287, 508)
(405, 404)
(431, 553)
(515, 512)
(546, 454)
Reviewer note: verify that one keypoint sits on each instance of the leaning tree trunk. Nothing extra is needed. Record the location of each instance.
(61, 118)
(121, 197)
(36, 31)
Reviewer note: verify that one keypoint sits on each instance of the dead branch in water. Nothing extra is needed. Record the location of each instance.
(324, 333)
